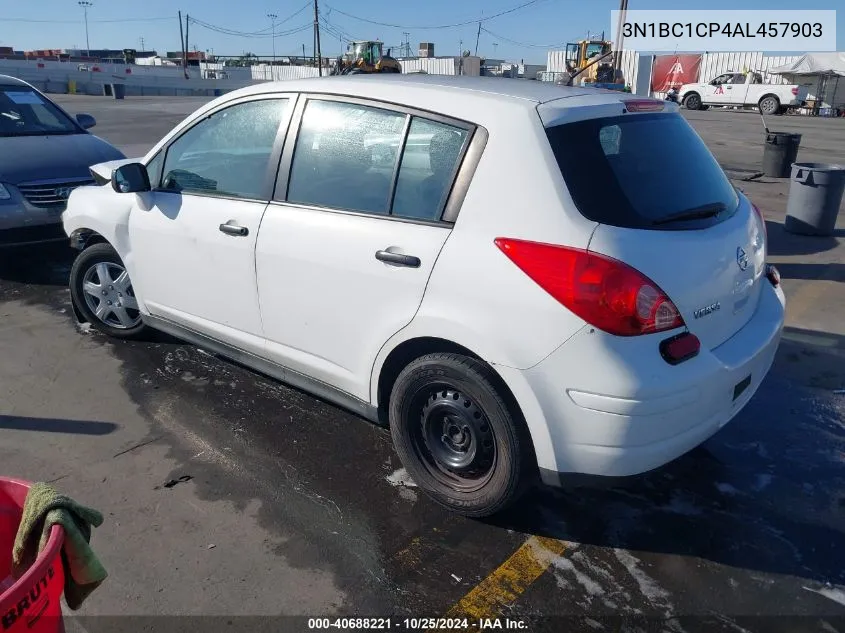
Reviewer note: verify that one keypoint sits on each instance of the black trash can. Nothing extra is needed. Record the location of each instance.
(779, 152)
(815, 195)
(119, 90)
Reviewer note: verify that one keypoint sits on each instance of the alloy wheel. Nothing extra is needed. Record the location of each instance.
(108, 294)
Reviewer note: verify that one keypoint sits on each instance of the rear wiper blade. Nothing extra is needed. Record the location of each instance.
(695, 213)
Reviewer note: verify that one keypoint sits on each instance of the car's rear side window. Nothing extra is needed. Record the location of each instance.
(637, 170)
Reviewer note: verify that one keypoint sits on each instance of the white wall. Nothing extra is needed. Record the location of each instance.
(269, 72)
(144, 80)
(431, 65)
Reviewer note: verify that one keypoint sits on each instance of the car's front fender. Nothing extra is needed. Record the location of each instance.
(101, 210)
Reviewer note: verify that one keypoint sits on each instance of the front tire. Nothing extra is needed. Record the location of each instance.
(102, 293)
(456, 436)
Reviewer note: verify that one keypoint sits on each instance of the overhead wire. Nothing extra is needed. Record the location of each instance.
(523, 44)
(334, 29)
(439, 26)
(39, 21)
(261, 33)
(253, 35)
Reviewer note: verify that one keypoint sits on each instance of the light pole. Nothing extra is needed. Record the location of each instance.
(85, 4)
(273, 17)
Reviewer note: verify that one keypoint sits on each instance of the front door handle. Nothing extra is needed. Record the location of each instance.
(233, 228)
(398, 258)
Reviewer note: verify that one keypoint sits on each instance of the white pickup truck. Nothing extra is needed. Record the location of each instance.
(742, 89)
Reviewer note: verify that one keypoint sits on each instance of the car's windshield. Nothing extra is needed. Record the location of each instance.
(23, 112)
(638, 170)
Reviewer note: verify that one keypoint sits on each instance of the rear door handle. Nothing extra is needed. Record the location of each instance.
(398, 258)
(233, 228)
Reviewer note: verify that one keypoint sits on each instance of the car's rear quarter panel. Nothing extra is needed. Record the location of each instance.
(476, 296)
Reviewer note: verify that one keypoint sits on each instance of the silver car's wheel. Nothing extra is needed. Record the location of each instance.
(108, 294)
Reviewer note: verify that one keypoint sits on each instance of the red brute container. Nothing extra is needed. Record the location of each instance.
(32, 604)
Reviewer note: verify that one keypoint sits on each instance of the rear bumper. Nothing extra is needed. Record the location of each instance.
(614, 408)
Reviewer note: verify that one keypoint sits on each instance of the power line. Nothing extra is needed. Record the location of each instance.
(254, 35)
(335, 30)
(524, 44)
(30, 21)
(440, 26)
(265, 32)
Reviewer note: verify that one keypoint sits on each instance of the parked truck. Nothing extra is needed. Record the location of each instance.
(743, 89)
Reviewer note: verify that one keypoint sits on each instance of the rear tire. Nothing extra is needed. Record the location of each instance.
(102, 293)
(457, 437)
(769, 105)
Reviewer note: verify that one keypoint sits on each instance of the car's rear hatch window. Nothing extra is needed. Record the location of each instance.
(665, 207)
(647, 171)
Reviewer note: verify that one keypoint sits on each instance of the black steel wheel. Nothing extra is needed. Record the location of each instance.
(455, 440)
(457, 437)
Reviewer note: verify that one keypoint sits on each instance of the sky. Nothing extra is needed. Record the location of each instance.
(523, 34)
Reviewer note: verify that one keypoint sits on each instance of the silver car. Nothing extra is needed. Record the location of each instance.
(44, 154)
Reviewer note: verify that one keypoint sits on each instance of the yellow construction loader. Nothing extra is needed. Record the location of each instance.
(581, 56)
(366, 57)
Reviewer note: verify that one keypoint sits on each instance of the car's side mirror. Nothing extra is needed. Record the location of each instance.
(86, 121)
(130, 178)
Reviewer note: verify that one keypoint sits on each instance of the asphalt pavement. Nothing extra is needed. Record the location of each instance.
(227, 494)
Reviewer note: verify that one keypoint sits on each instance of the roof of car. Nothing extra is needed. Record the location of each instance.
(13, 81)
(492, 87)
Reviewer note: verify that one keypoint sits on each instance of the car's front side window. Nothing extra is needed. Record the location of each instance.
(226, 153)
(345, 157)
(154, 169)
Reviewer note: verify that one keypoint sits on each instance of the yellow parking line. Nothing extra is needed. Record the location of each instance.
(505, 584)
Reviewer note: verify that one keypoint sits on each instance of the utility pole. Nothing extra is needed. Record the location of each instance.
(317, 52)
(182, 41)
(617, 58)
(142, 42)
(273, 17)
(303, 52)
(406, 48)
(85, 4)
(477, 37)
(187, 29)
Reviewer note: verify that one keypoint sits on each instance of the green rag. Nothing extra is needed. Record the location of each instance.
(44, 507)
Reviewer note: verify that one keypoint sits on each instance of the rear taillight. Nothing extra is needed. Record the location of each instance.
(795, 90)
(773, 275)
(680, 348)
(606, 293)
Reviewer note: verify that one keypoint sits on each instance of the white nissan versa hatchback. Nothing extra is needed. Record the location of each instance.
(516, 276)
